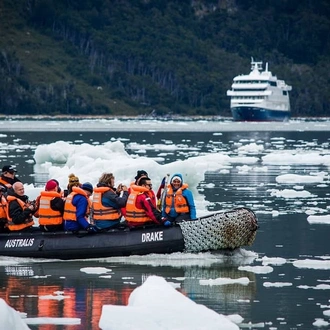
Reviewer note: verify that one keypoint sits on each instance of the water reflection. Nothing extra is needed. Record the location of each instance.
(63, 290)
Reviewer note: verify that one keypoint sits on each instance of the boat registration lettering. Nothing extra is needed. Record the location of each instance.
(20, 242)
(152, 237)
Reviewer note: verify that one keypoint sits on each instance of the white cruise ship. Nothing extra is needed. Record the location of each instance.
(259, 96)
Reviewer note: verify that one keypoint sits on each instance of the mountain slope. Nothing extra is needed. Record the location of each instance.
(133, 57)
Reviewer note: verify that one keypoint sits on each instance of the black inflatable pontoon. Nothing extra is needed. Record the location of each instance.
(218, 231)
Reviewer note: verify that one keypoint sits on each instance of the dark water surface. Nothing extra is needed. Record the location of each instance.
(286, 235)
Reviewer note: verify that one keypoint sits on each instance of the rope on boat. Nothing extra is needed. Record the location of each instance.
(225, 230)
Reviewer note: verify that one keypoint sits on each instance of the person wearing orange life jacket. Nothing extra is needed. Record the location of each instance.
(19, 209)
(3, 211)
(141, 207)
(8, 177)
(76, 209)
(73, 182)
(179, 201)
(139, 175)
(51, 208)
(108, 201)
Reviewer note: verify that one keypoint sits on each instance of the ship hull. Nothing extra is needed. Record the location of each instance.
(258, 114)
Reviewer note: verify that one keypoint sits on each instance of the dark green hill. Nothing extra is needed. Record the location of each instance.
(101, 57)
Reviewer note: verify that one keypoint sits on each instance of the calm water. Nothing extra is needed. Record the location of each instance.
(287, 236)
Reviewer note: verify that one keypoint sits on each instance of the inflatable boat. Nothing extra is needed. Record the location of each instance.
(218, 231)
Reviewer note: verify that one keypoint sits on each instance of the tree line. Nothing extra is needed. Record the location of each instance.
(177, 56)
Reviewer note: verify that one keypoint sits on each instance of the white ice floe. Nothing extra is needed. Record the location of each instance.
(319, 219)
(317, 287)
(156, 305)
(320, 323)
(312, 264)
(295, 178)
(95, 270)
(10, 318)
(251, 148)
(225, 281)
(55, 296)
(276, 284)
(273, 261)
(292, 157)
(257, 269)
(290, 193)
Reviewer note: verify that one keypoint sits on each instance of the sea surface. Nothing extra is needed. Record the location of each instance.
(287, 289)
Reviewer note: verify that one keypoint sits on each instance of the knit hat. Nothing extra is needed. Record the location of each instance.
(50, 185)
(73, 179)
(140, 173)
(58, 185)
(176, 178)
(87, 186)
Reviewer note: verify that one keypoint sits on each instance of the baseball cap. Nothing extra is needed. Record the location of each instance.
(9, 168)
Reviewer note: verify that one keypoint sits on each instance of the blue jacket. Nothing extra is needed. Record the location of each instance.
(190, 201)
(81, 204)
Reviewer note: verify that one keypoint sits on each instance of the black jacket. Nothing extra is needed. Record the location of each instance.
(16, 213)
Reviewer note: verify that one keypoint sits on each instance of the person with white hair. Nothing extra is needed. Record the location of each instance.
(20, 209)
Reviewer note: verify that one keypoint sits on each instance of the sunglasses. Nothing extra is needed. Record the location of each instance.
(149, 184)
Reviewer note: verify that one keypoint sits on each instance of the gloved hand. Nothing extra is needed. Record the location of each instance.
(91, 229)
(167, 223)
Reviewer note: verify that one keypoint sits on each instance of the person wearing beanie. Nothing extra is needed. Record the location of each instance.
(51, 208)
(108, 202)
(50, 185)
(73, 182)
(59, 190)
(140, 174)
(77, 209)
(179, 201)
(8, 176)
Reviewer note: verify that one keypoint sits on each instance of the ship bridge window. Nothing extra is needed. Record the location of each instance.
(273, 83)
(249, 97)
(251, 81)
(249, 90)
(284, 92)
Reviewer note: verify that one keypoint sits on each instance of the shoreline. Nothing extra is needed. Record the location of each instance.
(141, 117)
(129, 124)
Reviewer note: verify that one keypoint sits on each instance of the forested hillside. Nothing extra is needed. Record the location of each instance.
(130, 57)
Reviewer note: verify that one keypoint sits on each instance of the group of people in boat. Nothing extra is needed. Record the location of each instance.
(84, 207)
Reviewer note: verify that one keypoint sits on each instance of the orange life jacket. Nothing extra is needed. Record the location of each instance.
(180, 203)
(5, 183)
(48, 216)
(134, 214)
(70, 209)
(101, 212)
(11, 225)
(3, 209)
